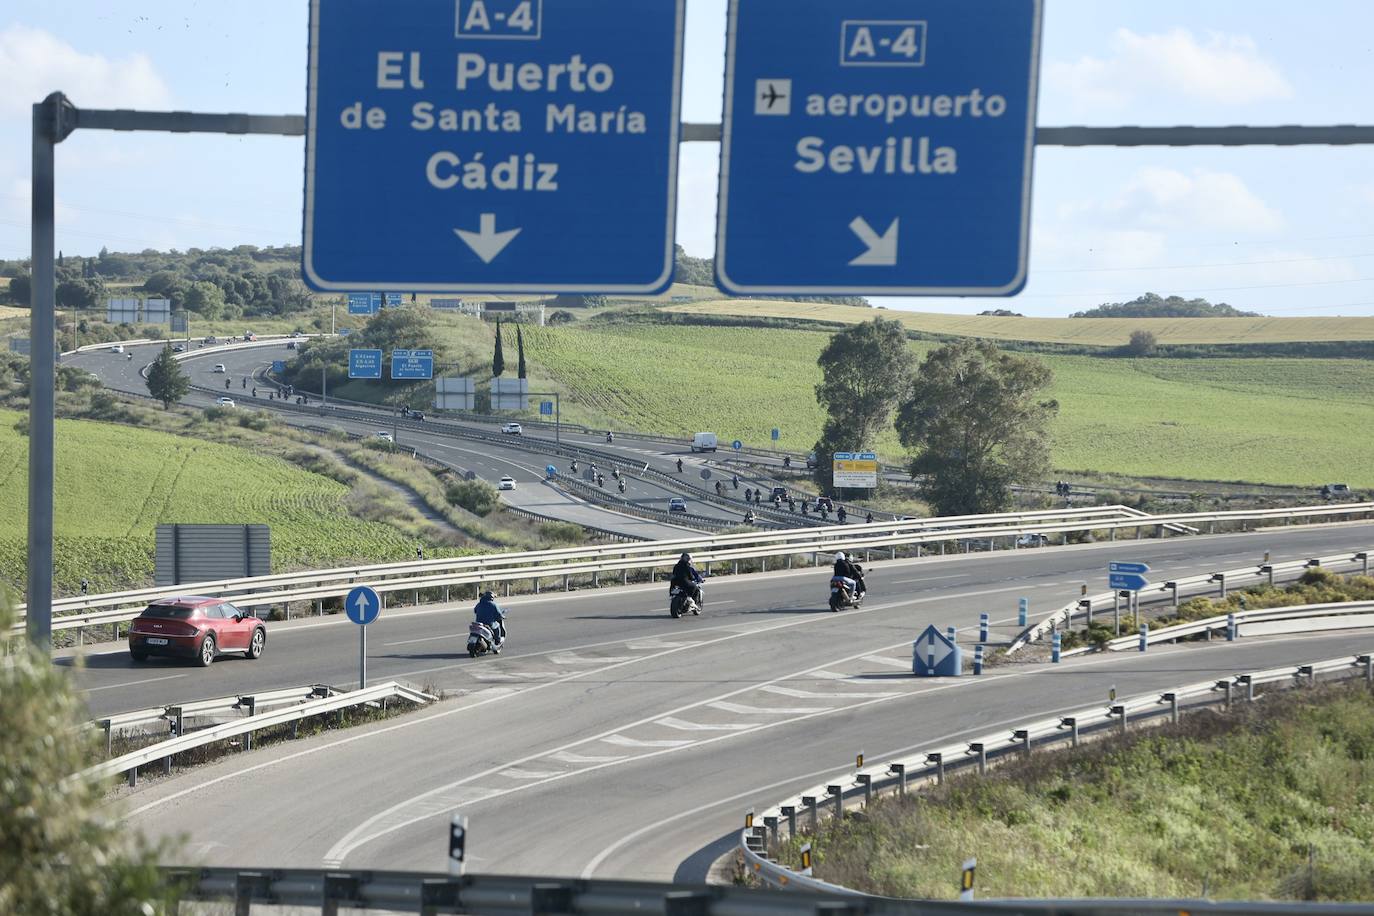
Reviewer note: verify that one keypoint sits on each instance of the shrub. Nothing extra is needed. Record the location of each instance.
(476, 496)
(562, 533)
(1142, 343)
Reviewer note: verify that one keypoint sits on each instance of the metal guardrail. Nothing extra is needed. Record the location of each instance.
(1343, 615)
(175, 714)
(165, 750)
(1173, 589)
(934, 763)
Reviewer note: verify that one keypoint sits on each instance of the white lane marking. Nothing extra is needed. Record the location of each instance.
(570, 757)
(657, 644)
(683, 725)
(813, 695)
(890, 662)
(495, 676)
(930, 579)
(829, 675)
(625, 741)
(744, 710)
(572, 658)
(151, 680)
(517, 773)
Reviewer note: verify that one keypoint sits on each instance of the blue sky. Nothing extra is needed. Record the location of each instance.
(1283, 231)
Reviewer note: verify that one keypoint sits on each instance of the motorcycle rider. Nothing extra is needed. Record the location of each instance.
(610, 436)
(679, 465)
(686, 577)
(846, 569)
(489, 612)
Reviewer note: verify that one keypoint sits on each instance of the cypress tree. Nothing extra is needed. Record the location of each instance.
(520, 345)
(498, 359)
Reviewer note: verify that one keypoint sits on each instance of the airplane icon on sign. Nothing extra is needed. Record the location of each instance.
(773, 97)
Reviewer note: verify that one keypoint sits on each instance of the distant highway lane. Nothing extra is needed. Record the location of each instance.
(606, 717)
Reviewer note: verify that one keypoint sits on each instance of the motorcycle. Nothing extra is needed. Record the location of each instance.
(481, 640)
(842, 595)
(680, 603)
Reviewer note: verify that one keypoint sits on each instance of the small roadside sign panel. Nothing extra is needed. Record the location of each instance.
(1128, 582)
(364, 363)
(877, 147)
(493, 146)
(1137, 568)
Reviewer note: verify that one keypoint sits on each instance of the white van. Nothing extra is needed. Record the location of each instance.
(704, 442)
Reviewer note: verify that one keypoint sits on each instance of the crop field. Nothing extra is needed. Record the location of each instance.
(1281, 421)
(116, 483)
(1099, 332)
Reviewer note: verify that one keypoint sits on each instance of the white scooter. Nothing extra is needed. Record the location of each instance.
(482, 639)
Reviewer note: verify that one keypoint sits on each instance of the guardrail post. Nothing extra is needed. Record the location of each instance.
(1249, 683)
(1172, 700)
(567, 587)
(772, 824)
(939, 761)
(1137, 532)
(898, 770)
(1023, 735)
(809, 801)
(978, 659)
(1116, 612)
(1173, 587)
(1144, 636)
(983, 627)
(838, 793)
(551, 898)
(866, 781)
(1230, 628)
(1086, 606)
(1268, 568)
(1225, 687)
(1363, 557)
(1054, 648)
(976, 747)
(1366, 660)
(1220, 579)
(686, 903)
(790, 812)
(337, 887)
(1071, 723)
(248, 885)
(1120, 710)
(1309, 672)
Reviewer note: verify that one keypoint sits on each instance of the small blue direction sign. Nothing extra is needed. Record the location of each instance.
(364, 303)
(412, 364)
(394, 300)
(364, 363)
(934, 654)
(363, 605)
(776, 434)
(877, 147)
(546, 408)
(502, 145)
(1126, 582)
(278, 365)
(1137, 568)
(737, 445)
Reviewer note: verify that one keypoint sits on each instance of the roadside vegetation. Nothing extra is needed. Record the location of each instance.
(1273, 800)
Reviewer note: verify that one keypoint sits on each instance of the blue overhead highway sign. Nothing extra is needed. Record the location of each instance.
(412, 364)
(506, 145)
(1126, 582)
(364, 363)
(546, 408)
(363, 605)
(877, 147)
(393, 300)
(1139, 568)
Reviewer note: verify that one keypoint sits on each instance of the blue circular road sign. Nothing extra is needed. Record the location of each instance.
(363, 605)
(705, 473)
(737, 445)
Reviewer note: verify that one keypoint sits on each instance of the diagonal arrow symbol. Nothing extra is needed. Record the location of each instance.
(487, 243)
(882, 249)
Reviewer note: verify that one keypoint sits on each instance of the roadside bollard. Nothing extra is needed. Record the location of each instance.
(983, 627)
(978, 659)
(1230, 627)
(952, 633)
(1022, 611)
(1054, 649)
(1144, 636)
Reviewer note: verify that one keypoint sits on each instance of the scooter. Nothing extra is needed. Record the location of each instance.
(482, 640)
(680, 603)
(842, 596)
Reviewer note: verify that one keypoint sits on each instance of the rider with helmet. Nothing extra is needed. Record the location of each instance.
(488, 612)
(686, 577)
(846, 569)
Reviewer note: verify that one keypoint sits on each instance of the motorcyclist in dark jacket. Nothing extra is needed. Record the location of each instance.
(686, 577)
(846, 568)
(489, 612)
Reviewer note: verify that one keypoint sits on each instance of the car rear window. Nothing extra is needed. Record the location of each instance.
(168, 611)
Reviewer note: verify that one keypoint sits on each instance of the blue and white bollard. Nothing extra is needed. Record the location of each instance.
(1230, 627)
(1144, 636)
(1022, 611)
(982, 627)
(978, 659)
(1054, 648)
(952, 633)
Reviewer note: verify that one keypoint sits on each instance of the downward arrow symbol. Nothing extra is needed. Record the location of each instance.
(488, 243)
(882, 249)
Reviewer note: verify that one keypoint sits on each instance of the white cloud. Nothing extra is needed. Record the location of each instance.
(34, 63)
(1226, 69)
(1167, 200)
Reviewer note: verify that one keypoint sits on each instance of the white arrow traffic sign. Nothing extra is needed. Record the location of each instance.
(882, 249)
(932, 649)
(488, 243)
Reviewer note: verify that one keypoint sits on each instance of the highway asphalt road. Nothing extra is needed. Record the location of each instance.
(614, 741)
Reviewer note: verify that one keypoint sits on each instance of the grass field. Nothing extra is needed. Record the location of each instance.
(116, 483)
(1098, 332)
(1282, 421)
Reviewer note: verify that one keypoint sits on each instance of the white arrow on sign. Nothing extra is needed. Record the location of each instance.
(932, 649)
(361, 605)
(487, 243)
(882, 249)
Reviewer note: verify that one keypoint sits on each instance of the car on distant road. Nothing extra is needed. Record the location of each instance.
(192, 626)
(811, 461)
(249, 335)
(677, 504)
(179, 348)
(297, 334)
(506, 483)
(823, 502)
(211, 339)
(514, 429)
(117, 348)
(704, 442)
(778, 493)
(222, 401)
(1033, 540)
(385, 436)
(219, 367)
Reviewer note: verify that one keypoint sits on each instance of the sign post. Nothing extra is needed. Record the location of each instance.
(362, 606)
(531, 146)
(877, 147)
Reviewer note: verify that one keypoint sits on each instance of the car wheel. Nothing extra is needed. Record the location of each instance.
(207, 651)
(256, 644)
(138, 656)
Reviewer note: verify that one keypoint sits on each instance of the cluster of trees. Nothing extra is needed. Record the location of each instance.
(1153, 305)
(973, 418)
(389, 329)
(498, 356)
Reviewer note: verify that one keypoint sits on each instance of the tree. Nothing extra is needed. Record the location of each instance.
(80, 294)
(166, 382)
(520, 346)
(205, 299)
(561, 316)
(63, 853)
(976, 425)
(21, 288)
(498, 359)
(1142, 343)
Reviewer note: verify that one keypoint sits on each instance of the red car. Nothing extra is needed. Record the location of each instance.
(190, 626)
